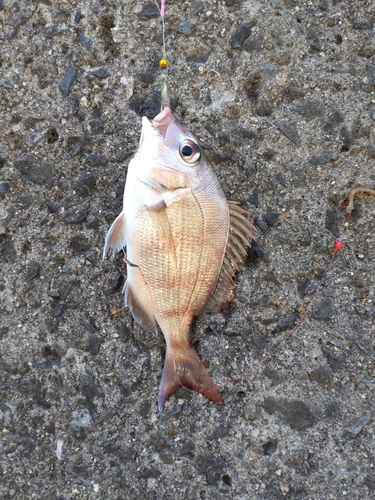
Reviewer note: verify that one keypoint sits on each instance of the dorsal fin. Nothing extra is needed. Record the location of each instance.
(240, 234)
(140, 315)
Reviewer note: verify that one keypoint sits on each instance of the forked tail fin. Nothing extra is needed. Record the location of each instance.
(185, 368)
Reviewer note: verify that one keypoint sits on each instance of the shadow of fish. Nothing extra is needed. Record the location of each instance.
(183, 242)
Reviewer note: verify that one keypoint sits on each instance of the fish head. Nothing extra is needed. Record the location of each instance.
(169, 156)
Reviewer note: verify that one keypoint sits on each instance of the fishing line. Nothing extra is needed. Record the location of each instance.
(163, 63)
(334, 248)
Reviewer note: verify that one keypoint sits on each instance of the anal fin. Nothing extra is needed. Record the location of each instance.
(140, 315)
(240, 234)
(115, 239)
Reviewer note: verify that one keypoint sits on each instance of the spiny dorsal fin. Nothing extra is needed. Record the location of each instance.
(141, 316)
(238, 239)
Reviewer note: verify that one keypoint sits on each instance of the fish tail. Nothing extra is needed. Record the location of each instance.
(185, 368)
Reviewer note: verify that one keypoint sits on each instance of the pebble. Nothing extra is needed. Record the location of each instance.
(208, 462)
(370, 68)
(86, 41)
(148, 473)
(309, 110)
(88, 323)
(80, 419)
(285, 324)
(33, 270)
(146, 77)
(324, 310)
(66, 83)
(101, 72)
(251, 44)
(77, 217)
(353, 430)
(240, 34)
(295, 413)
(323, 377)
(149, 11)
(35, 137)
(290, 131)
(324, 158)
(97, 159)
(185, 28)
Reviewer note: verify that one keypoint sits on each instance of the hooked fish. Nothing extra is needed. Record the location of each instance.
(183, 242)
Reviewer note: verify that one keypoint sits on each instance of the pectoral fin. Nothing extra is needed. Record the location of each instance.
(238, 239)
(115, 239)
(159, 215)
(139, 313)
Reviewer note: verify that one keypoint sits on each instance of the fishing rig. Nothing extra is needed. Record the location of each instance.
(334, 248)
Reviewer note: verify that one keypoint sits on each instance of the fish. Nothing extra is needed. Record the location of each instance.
(182, 241)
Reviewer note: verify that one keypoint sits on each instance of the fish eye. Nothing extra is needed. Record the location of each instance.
(189, 151)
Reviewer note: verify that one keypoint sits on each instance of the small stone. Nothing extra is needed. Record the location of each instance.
(209, 462)
(358, 426)
(281, 179)
(263, 226)
(185, 28)
(144, 408)
(332, 409)
(370, 68)
(86, 41)
(290, 131)
(66, 84)
(155, 440)
(78, 16)
(146, 77)
(323, 377)
(254, 197)
(324, 158)
(51, 31)
(188, 449)
(88, 386)
(149, 473)
(219, 432)
(97, 159)
(295, 92)
(35, 137)
(295, 413)
(324, 310)
(101, 73)
(88, 323)
(77, 218)
(285, 324)
(332, 222)
(309, 110)
(362, 25)
(240, 34)
(149, 11)
(114, 285)
(271, 217)
(33, 270)
(81, 419)
(84, 102)
(39, 175)
(348, 138)
(4, 187)
(251, 44)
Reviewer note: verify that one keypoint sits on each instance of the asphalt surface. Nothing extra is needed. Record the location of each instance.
(281, 96)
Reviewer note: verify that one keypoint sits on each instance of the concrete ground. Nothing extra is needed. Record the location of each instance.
(281, 96)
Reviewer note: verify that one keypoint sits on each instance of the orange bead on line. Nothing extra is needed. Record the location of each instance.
(338, 245)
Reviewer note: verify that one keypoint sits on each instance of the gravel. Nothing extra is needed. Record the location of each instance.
(281, 96)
